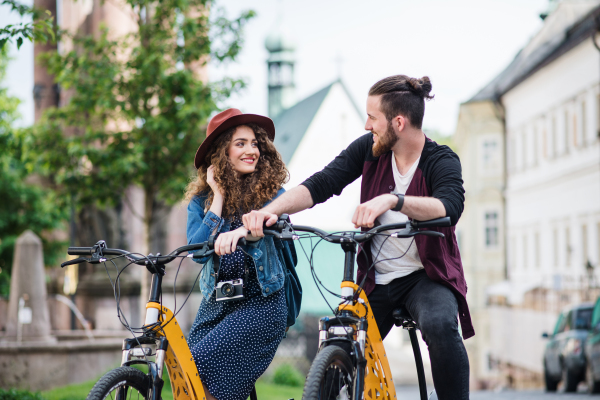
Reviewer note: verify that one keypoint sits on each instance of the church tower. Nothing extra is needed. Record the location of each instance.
(281, 72)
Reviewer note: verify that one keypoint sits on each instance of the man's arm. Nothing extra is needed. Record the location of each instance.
(291, 202)
(447, 195)
(414, 207)
(330, 181)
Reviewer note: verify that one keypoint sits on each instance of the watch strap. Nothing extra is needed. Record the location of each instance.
(400, 203)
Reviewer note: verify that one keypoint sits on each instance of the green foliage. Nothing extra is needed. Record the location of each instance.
(40, 28)
(24, 205)
(77, 391)
(15, 394)
(138, 109)
(439, 138)
(269, 391)
(287, 375)
(264, 390)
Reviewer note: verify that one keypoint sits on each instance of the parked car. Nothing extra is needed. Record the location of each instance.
(592, 351)
(564, 358)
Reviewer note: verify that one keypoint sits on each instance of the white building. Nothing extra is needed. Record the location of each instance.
(310, 133)
(548, 104)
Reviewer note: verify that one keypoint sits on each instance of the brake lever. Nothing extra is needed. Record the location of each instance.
(201, 253)
(206, 248)
(75, 261)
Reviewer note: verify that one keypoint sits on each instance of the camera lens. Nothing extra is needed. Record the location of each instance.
(227, 289)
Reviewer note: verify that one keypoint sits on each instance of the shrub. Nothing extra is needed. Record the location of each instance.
(15, 394)
(287, 375)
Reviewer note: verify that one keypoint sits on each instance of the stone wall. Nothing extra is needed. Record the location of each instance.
(44, 366)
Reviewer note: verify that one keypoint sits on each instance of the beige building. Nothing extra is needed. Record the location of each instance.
(479, 142)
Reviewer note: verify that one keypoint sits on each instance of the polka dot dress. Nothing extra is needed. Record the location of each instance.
(233, 342)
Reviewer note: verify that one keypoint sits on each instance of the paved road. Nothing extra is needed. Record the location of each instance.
(412, 393)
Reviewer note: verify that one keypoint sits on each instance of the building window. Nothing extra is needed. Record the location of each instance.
(524, 150)
(567, 131)
(597, 133)
(536, 250)
(525, 252)
(576, 139)
(553, 138)
(512, 155)
(545, 142)
(491, 229)
(584, 245)
(555, 246)
(583, 124)
(512, 254)
(568, 246)
(535, 145)
(490, 154)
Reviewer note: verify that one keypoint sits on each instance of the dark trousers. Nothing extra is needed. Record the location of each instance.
(434, 308)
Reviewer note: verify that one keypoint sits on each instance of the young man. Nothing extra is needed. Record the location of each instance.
(405, 175)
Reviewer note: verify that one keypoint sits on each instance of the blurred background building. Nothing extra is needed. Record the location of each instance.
(530, 234)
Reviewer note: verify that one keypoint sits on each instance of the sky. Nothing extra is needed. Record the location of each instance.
(460, 44)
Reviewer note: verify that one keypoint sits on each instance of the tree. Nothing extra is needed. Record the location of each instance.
(40, 28)
(23, 205)
(138, 108)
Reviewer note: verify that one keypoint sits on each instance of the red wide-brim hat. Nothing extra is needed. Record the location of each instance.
(228, 119)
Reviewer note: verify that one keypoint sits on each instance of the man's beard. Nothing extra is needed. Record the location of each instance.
(385, 142)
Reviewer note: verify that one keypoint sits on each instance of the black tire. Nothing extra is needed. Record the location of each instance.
(593, 386)
(121, 383)
(550, 383)
(331, 372)
(569, 380)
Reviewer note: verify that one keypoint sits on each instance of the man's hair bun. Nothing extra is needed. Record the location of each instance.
(421, 87)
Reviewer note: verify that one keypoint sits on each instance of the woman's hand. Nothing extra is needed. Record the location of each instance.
(210, 179)
(227, 241)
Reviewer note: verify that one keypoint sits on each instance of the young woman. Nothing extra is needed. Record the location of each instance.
(234, 339)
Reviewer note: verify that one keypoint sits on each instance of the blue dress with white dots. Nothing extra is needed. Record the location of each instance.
(233, 342)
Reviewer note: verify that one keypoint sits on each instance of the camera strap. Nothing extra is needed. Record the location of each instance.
(216, 267)
(246, 270)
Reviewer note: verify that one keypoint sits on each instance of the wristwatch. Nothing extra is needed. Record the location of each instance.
(400, 201)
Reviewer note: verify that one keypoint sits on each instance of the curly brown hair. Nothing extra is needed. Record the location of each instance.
(241, 193)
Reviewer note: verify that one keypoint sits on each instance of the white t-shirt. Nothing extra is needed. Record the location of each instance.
(387, 271)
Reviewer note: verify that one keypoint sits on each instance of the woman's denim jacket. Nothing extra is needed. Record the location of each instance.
(200, 225)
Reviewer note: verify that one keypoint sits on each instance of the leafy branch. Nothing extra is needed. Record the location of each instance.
(40, 28)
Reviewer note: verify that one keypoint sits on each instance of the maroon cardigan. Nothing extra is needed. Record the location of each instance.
(438, 175)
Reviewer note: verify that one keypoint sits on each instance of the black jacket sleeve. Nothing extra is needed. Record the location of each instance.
(446, 183)
(341, 172)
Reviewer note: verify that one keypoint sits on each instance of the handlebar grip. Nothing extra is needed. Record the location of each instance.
(432, 233)
(74, 261)
(80, 251)
(432, 223)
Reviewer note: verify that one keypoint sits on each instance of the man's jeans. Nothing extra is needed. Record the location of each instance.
(435, 310)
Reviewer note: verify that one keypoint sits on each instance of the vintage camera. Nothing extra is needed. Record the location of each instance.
(230, 290)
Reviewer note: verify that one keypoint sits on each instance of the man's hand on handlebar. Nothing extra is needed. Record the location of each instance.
(254, 220)
(366, 213)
